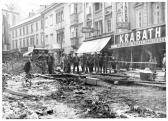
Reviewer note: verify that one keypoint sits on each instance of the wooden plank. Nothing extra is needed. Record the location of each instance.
(18, 93)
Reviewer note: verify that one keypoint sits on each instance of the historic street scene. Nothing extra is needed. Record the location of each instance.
(83, 60)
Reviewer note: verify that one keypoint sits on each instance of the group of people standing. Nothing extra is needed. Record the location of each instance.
(98, 63)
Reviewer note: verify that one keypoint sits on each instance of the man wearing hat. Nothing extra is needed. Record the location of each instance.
(76, 63)
(50, 62)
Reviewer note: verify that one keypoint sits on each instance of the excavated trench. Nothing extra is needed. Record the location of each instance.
(70, 96)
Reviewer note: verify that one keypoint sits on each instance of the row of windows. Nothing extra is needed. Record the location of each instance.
(25, 30)
(26, 42)
(59, 18)
(60, 36)
(156, 12)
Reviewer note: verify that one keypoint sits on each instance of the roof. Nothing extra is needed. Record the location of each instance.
(27, 20)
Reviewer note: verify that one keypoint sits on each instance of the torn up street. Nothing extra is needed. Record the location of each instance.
(83, 60)
(78, 96)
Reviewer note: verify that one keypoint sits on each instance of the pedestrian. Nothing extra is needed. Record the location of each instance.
(50, 62)
(27, 68)
(96, 61)
(105, 63)
(113, 60)
(100, 58)
(64, 62)
(83, 62)
(69, 63)
(43, 60)
(164, 65)
(91, 63)
(76, 63)
(87, 64)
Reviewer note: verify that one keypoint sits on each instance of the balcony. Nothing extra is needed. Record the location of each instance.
(74, 43)
(89, 17)
(74, 18)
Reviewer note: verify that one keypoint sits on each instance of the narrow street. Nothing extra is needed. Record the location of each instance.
(72, 98)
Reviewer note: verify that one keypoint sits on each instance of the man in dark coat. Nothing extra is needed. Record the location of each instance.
(76, 60)
(50, 62)
(27, 68)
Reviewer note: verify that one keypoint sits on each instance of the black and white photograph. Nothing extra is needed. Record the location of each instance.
(83, 59)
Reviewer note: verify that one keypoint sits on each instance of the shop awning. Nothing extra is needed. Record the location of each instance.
(93, 45)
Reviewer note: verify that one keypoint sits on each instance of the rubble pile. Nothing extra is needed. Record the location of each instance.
(69, 97)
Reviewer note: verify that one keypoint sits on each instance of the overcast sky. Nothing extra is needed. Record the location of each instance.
(25, 6)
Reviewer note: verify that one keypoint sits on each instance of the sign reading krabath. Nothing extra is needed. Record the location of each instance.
(141, 37)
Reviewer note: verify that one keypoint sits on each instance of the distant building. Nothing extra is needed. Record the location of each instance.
(9, 18)
(27, 33)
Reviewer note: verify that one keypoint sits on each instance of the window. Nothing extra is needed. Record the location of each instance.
(27, 29)
(80, 7)
(73, 8)
(16, 33)
(46, 39)
(89, 24)
(59, 16)
(24, 43)
(31, 28)
(20, 32)
(46, 21)
(27, 42)
(98, 6)
(23, 30)
(51, 37)
(13, 44)
(99, 27)
(138, 18)
(80, 30)
(12, 34)
(107, 4)
(60, 36)
(51, 20)
(73, 31)
(20, 43)
(108, 25)
(156, 13)
(31, 40)
(37, 42)
(16, 44)
(36, 26)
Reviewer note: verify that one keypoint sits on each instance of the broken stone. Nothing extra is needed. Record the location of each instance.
(50, 112)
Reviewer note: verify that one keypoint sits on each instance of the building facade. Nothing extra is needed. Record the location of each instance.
(27, 33)
(9, 18)
(123, 29)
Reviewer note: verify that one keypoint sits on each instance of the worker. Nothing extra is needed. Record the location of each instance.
(27, 68)
(100, 58)
(83, 62)
(50, 62)
(69, 63)
(91, 63)
(76, 63)
(164, 65)
(105, 63)
(95, 62)
(43, 61)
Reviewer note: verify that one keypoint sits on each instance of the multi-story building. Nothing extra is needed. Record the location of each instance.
(56, 27)
(144, 38)
(133, 32)
(9, 18)
(27, 33)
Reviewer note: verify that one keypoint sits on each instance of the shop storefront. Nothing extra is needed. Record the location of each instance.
(140, 46)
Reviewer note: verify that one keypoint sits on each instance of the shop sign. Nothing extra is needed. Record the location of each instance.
(141, 37)
(122, 25)
(87, 30)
